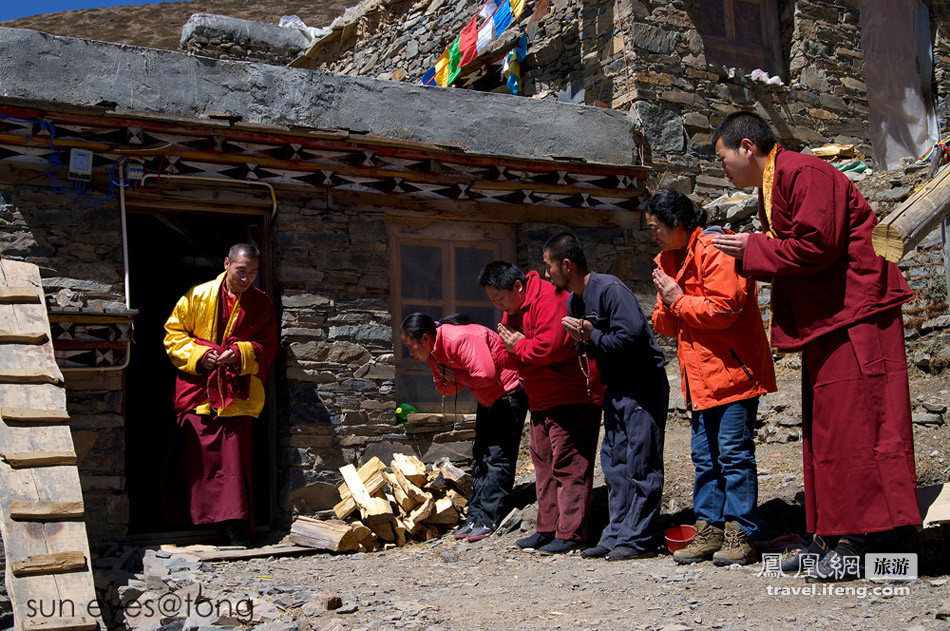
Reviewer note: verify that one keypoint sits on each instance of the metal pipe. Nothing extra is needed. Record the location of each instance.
(218, 180)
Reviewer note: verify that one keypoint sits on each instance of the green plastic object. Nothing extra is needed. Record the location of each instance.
(403, 412)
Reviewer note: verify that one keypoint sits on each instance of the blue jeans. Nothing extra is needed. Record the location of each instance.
(726, 486)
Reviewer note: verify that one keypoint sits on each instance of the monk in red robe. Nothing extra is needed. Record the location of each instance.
(222, 337)
(838, 303)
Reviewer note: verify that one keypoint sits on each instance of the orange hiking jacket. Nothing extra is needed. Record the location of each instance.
(723, 353)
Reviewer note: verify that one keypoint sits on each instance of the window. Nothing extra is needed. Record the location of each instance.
(742, 34)
(434, 267)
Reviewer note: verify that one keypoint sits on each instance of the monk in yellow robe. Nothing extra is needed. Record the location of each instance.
(222, 337)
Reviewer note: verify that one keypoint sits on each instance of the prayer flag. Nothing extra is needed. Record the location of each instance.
(488, 8)
(502, 17)
(442, 70)
(485, 35)
(467, 42)
(517, 6)
(429, 77)
(455, 56)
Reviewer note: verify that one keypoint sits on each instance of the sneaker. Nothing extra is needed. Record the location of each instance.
(478, 533)
(626, 553)
(464, 530)
(794, 560)
(705, 543)
(844, 563)
(535, 541)
(560, 546)
(596, 552)
(736, 548)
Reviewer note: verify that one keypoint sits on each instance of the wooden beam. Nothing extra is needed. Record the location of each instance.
(77, 623)
(46, 510)
(23, 337)
(30, 375)
(26, 294)
(903, 229)
(49, 563)
(18, 460)
(29, 414)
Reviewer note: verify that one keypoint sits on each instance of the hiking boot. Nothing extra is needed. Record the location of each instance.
(705, 543)
(736, 547)
(560, 546)
(535, 541)
(844, 563)
(795, 560)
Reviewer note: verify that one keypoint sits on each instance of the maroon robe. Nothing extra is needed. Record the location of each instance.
(214, 454)
(838, 302)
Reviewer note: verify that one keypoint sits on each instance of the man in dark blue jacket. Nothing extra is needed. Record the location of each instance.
(606, 318)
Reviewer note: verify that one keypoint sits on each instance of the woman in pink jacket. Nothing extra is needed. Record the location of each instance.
(460, 354)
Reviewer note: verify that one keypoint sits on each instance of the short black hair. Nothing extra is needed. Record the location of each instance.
(739, 125)
(418, 324)
(673, 209)
(243, 249)
(501, 275)
(566, 245)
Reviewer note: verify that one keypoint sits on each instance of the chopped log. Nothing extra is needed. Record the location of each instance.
(444, 514)
(384, 530)
(428, 532)
(459, 479)
(77, 623)
(375, 510)
(413, 492)
(27, 414)
(45, 510)
(332, 535)
(411, 467)
(19, 295)
(400, 534)
(458, 499)
(49, 563)
(903, 229)
(400, 497)
(362, 531)
(371, 474)
(39, 458)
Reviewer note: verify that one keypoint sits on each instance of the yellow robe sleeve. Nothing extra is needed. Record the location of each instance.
(194, 315)
(248, 359)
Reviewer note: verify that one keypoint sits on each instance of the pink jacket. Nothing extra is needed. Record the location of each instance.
(466, 351)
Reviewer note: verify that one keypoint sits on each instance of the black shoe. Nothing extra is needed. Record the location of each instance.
(595, 553)
(464, 530)
(237, 532)
(479, 533)
(626, 553)
(535, 541)
(561, 546)
(795, 560)
(844, 563)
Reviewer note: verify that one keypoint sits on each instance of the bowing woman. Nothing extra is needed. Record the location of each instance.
(460, 355)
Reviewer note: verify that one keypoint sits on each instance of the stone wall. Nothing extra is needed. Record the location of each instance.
(225, 37)
(79, 254)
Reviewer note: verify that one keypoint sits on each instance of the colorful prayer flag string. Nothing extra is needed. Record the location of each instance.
(945, 145)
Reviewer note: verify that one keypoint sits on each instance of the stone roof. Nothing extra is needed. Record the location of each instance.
(37, 69)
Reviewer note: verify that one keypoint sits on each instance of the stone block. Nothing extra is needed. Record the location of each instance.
(663, 127)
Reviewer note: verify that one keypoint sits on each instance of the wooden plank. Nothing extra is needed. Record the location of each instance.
(33, 415)
(22, 337)
(903, 229)
(27, 294)
(49, 563)
(46, 510)
(39, 458)
(33, 374)
(77, 623)
(25, 318)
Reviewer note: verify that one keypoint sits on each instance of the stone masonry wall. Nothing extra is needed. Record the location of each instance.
(79, 254)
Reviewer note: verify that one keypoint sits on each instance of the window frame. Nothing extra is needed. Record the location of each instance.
(771, 36)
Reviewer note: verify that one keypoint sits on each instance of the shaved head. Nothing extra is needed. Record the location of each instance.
(243, 249)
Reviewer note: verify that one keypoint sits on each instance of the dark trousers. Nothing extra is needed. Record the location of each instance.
(495, 454)
(631, 457)
(563, 446)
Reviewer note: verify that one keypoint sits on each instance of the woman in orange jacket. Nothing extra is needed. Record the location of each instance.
(725, 366)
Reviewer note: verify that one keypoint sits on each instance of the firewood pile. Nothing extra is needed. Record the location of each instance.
(380, 508)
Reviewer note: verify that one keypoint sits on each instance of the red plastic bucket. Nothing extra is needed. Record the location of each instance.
(679, 537)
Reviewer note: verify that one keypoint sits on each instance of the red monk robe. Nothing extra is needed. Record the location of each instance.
(838, 302)
(216, 408)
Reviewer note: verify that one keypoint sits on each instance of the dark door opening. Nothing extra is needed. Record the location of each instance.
(168, 254)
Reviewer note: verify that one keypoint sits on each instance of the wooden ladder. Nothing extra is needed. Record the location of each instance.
(48, 569)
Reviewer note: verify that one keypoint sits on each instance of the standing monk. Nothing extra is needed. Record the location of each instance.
(606, 318)
(221, 336)
(838, 303)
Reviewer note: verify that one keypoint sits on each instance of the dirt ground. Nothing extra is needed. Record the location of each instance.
(444, 585)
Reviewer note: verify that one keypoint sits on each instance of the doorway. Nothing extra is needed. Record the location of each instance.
(170, 252)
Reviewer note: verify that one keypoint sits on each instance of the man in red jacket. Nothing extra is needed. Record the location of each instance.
(563, 395)
(839, 303)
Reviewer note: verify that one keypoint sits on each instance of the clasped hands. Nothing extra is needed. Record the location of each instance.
(578, 329)
(212, 359)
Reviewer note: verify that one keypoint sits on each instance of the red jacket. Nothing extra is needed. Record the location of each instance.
(824, 272)
(467, 350)
(721, 345)
(547, 358)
